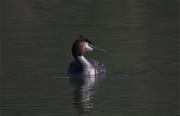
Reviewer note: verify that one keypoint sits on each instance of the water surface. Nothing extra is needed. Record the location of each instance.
(142, 59)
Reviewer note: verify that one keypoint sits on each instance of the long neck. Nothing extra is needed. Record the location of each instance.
(82, 60)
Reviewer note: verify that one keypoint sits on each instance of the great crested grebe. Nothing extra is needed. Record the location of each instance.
(81, 65)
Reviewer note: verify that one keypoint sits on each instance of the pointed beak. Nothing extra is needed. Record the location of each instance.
(98, 49)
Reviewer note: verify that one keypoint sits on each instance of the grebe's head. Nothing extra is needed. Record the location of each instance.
(82, 45)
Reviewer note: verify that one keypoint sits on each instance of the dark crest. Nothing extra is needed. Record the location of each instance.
(76, 51)
(84, 39)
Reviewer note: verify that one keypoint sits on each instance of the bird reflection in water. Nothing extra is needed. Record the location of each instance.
(91, 72)
(84, 90)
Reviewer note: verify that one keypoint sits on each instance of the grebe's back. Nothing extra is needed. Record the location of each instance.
(75, 69)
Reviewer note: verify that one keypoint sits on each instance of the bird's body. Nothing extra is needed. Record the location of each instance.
(81, 65)
(93, 67)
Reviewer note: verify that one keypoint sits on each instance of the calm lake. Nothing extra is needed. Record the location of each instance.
(142, 58)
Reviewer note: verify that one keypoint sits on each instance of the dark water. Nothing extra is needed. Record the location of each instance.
(141, 37)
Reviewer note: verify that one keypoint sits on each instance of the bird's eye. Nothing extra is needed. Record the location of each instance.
(90, 45)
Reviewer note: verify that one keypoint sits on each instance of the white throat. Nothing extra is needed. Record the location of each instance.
(84, 61)
(87, 67)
